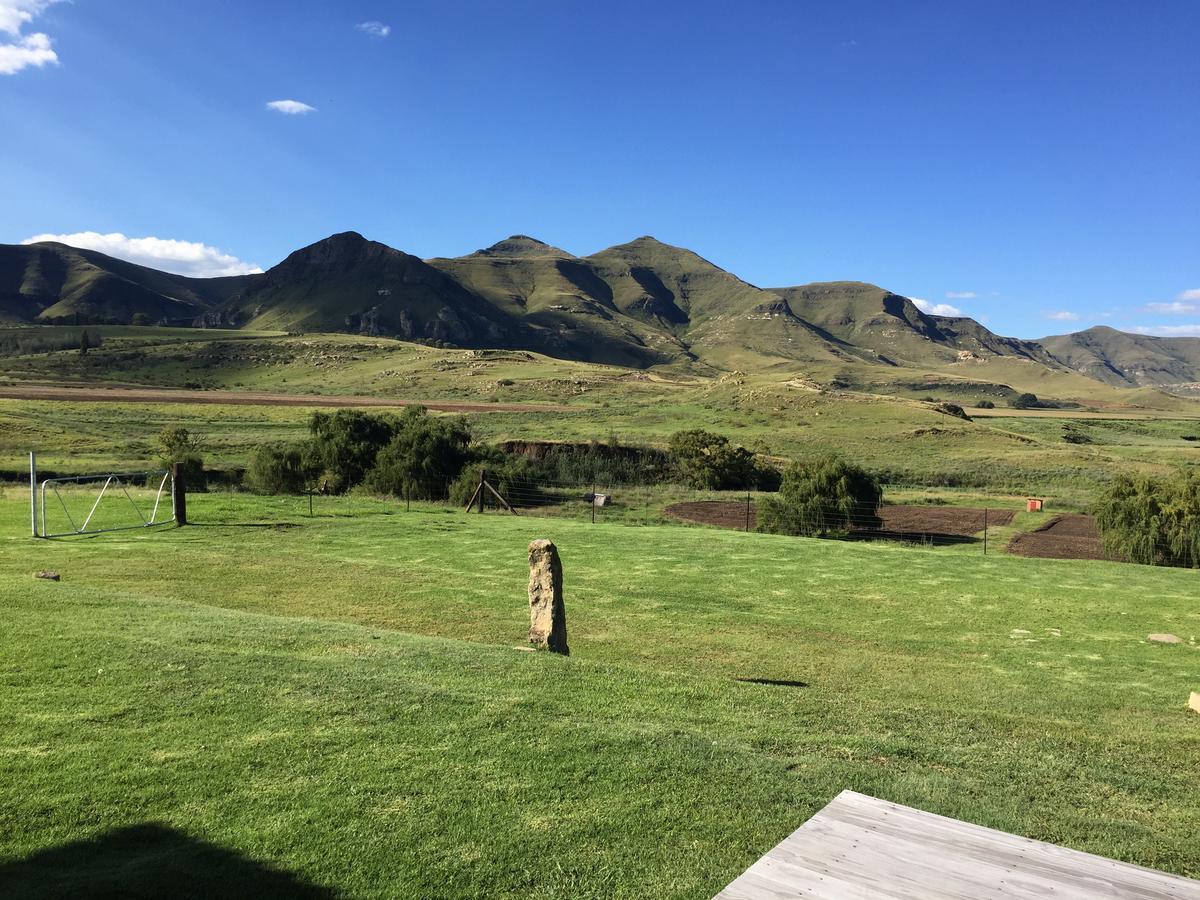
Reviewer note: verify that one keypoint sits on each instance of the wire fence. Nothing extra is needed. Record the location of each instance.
(968, 519)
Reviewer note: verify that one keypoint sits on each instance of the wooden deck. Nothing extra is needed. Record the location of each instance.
(863, 848)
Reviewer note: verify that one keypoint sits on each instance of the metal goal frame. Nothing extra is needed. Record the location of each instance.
(117, 481)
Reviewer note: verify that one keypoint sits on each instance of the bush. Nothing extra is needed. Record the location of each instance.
(1025, 401)
(1155, 521)
(985, 404)
(283, 469)
(178, 445)
(515, 478)
(423, 457)
(828, 496)
(708, 461)
(346, 443)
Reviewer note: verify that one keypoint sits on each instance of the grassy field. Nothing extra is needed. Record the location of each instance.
(295, 704)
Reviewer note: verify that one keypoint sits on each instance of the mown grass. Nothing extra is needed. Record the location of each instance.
(337, 697)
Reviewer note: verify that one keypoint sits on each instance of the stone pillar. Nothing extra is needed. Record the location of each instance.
(547, 614)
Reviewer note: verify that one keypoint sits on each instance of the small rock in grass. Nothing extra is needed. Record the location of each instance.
(1194, 702)
(47, 575)
(1165, 638)
(1019, 631)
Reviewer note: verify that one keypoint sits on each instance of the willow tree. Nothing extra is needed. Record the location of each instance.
(1152, 520)
(827, 496)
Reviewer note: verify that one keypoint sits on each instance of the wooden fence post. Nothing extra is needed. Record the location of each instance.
(178, 494)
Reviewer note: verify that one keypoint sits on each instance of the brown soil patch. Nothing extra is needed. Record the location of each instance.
(98, 394)
(1063, 537)
(934, 523)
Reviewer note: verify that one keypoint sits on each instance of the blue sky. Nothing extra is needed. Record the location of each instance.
(1035, 165)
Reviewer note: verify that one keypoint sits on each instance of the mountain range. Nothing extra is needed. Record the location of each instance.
(639, 304)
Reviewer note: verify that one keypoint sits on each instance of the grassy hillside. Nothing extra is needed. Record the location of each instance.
(641, 304)
(1116, 357)
(336, 705)
(782, 413)
(53, 281)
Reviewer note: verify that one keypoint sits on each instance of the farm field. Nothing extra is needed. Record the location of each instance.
(1061, 453)
(310, 706)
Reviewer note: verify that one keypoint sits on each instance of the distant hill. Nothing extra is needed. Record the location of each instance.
(1120, 358)
(51, 282)
(639, 304)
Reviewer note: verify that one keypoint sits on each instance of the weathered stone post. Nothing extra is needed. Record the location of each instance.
(547, 614)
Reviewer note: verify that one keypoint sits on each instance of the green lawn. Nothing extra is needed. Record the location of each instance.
(336, 702)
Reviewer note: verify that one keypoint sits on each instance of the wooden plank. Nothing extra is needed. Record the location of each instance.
(863, 848)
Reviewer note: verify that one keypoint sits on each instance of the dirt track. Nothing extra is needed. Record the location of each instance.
(903, 522)
(104, 394)
(1063, 537)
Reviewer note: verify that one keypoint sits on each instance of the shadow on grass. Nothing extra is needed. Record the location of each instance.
(149, 860)
(278, 526)
(774, 682)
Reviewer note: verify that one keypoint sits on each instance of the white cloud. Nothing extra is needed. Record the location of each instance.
(23, 50)
(1176, 307)
(1061, 315)
(1169, 330)
(1193, 294)
(291, 107)
(181, 257)
(961, 295)
(935, 309)
(374, 29)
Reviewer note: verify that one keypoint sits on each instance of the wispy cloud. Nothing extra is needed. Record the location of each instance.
(181, 257)
(291, 107)
(961, 295)
(1174, 308)
(1169, 330)
(1193, 294)
(935, 309)
(374, 29)
(20, 51)
(1061, 315)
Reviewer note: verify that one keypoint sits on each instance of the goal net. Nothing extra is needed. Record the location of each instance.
(94, 504)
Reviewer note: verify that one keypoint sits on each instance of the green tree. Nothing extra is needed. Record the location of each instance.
(178, 445)
(1150, 520)
(346, 442)
(1026, 401)
(826, 496)
(283, 469)
(85, 342)
(140, 318)
(424, 455)
(708, 461)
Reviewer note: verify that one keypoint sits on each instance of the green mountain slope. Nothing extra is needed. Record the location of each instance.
(566, 308)
(639, 304)
(1120, 358)
(51, 281)
(893, 328)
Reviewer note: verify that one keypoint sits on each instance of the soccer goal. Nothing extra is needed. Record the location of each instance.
(95, 504)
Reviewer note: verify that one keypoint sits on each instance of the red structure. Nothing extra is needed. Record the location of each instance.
(1034, 504)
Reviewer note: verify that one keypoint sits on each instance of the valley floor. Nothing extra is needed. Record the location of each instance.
(333, 704)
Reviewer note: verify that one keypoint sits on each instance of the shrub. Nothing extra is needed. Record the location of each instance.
(1025, 401)
(952, 409)
(423, 456)
(986, 404)
(282, 469)
(827, 496)
(515, 478)
(347, 441)
(140, 318)
(178, 445)
(1152, 520)
(708, 461)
